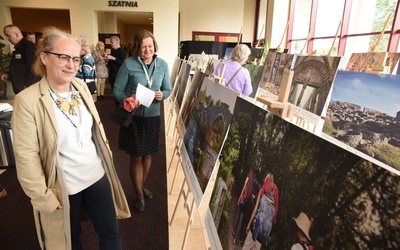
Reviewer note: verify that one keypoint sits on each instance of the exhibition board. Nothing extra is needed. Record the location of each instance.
(334, 187)
(302, 162)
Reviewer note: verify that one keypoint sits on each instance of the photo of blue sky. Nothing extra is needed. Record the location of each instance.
(376, 91)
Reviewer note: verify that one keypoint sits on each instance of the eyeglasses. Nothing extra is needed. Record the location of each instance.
(64, 59)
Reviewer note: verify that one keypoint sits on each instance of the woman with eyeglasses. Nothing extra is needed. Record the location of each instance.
(63, 158)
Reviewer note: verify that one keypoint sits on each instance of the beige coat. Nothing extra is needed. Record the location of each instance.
(34, 130)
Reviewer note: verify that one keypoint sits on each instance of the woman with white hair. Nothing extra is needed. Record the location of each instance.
(236, 76)
(87, 69)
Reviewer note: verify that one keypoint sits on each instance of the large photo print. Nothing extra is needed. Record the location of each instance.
(278, 186)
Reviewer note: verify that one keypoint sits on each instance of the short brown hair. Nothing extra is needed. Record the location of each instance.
(138, 39)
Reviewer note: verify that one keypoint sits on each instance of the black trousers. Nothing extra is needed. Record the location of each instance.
(98, 203)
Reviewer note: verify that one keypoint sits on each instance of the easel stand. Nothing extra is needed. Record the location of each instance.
(279, 107)
(220, 79)
(185, 191)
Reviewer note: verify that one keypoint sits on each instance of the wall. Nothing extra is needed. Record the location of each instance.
(84, 21)
(212, 15)
(207, 15)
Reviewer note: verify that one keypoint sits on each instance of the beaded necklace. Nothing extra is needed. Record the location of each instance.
(69, 104)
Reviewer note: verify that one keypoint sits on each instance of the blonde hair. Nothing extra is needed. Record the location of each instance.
(98, 44)
(240, 53)
(50, 37)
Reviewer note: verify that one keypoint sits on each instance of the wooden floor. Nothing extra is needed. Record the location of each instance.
(196, 233)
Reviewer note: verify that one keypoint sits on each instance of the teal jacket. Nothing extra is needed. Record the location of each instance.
(132, 73)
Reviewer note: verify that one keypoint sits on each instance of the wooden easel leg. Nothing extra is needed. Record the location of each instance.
(173, 180)
(189, 223)
(170, 119)
(177, 202)
(176, 147)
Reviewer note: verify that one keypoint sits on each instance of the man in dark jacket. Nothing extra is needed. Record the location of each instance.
(20, 73)
(115, 60)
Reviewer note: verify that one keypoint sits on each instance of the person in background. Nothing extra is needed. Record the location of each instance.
(31, 36)
(141, 139)
(87, 69)
(115, 60)
(302, 232)
(20, 73)
(264, 215)
(236, 76)
(242, 206)
(63, 158)
(39, 39)
(99, 55)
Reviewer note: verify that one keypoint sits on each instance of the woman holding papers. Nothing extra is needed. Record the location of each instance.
(141, 139)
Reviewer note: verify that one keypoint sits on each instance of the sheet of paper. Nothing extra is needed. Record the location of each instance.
(144, 95)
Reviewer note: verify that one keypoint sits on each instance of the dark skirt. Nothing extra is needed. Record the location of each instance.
(142, 137)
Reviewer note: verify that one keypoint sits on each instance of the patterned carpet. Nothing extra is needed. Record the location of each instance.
(146, 230)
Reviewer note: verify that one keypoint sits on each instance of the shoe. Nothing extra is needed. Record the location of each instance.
(139, 205)
(147, 194)
(3, 193)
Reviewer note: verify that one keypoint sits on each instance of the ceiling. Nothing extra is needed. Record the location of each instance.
(135, 17)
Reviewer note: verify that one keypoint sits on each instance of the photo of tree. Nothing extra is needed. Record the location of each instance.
(364, 113)
(193, 92)
(207, 127)
(350, 203)
(255, 75)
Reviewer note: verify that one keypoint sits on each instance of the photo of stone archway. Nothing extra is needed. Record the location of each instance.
(312, 80)
(207, 127)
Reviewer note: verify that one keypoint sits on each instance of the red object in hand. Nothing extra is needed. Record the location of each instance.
(130, 103)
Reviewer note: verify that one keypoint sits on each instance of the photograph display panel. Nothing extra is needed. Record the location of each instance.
(270, 83)
(302, 176)
(175, 71)
(392, 62)
(364, 114)
(312, 81)
(255, 75)
(191, 99)
(363, 62)
(201, 61)
(181, 84)
(206, 132)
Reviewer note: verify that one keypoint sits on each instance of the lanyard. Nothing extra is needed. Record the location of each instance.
(149, 80)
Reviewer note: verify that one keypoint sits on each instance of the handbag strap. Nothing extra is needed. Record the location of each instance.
(233, 76)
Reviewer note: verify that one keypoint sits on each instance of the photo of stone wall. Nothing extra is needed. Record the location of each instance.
(364, 113)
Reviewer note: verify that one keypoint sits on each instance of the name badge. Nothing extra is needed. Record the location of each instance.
(18, 56)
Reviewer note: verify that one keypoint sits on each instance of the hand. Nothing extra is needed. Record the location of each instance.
(4, 77)
(109, 57)
(59, 206)
(158, 95)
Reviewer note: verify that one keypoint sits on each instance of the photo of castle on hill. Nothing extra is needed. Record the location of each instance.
(364, 113)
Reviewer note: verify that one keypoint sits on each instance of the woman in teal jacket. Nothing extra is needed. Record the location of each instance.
(141, 139)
